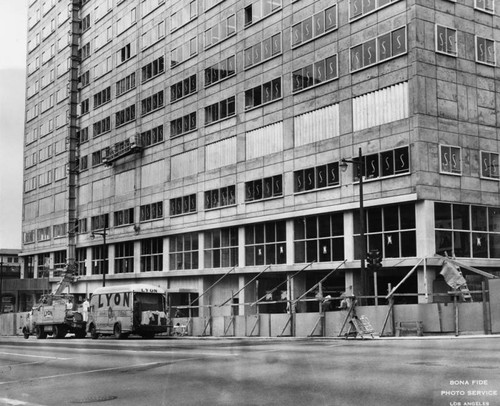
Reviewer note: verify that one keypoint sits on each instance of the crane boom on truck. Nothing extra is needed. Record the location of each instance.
(56, 312)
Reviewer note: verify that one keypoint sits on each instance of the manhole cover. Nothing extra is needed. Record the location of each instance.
(94, 399)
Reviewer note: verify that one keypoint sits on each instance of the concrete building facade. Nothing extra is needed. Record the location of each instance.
(201, 144)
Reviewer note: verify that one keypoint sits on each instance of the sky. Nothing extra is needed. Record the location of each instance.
(13, 31)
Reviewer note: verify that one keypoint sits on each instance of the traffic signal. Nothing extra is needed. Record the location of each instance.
(374, 260)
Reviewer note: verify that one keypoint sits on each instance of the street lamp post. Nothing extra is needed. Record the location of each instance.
(358, 163)
(104, 252)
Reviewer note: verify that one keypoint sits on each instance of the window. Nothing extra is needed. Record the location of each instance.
(83, 163)
(151, 211)
(183, 125)
(183, 52)
(263, 94)
(102, 97)
(97, 157)
(99, 259)
(101, 126)
(387, 163)
(125, 53)
(314, 26)
(60, 172)
(183, 88)
(317, 177)
(260, 9)
(45, 153)
(183, 251)
(125, 84)
(152, 255)
(123, 217)
(467, 231)
(85, 51)
(124, 257)
(85, 23)
(59, 230)
(183, 205)
(390, 229)
(220, 31)
(264, 188)
(153, 35)
(489, 165)
(376, 50)
(220, 71)
(360, 8)
(222, 197)
(315, 74)
(99, 222)
(82, 226)
(153, 69)
(450, 159)
(220, 111)
(152, 103)
(84, 107)
(30, 184)
(221, 248)
(184, 15)
(45, 178)
(487, 6)
(29, 237)
(125, 116)
(82, 135)
(263, 51)
(43, 234)
(81, 259)
(446, 40)
(485, 51)
(265, 243)
(152, 137)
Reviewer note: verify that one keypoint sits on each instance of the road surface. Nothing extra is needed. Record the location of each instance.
(188, 371)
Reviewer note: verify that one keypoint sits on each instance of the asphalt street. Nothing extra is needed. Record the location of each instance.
(188, 371)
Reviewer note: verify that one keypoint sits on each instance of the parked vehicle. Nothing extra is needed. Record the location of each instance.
(55, 314)
(128, 309)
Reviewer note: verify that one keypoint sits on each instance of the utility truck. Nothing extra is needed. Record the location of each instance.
(56, 313)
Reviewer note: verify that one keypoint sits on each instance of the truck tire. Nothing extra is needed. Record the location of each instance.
(26, 333)
(80, 333)
(93, 332)
(117, 331)
(58, 331)
(40, 333)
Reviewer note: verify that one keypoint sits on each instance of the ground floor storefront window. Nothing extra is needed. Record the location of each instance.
(467, 231)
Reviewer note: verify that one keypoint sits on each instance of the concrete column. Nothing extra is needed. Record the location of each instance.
(242, 296)
(111, 259)
(290, 248)
(88, 262)
(201, 248)
(166, 252)
(425, 281)
(424, 218)
(137, 257)
(352, 282)
(298, 287)
(348, 236)
(35, 267)
(352, 276)
(241, 247)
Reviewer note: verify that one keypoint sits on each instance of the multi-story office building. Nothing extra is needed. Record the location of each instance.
(202, 141)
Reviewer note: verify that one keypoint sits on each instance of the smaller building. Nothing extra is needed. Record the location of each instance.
(16, 294)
